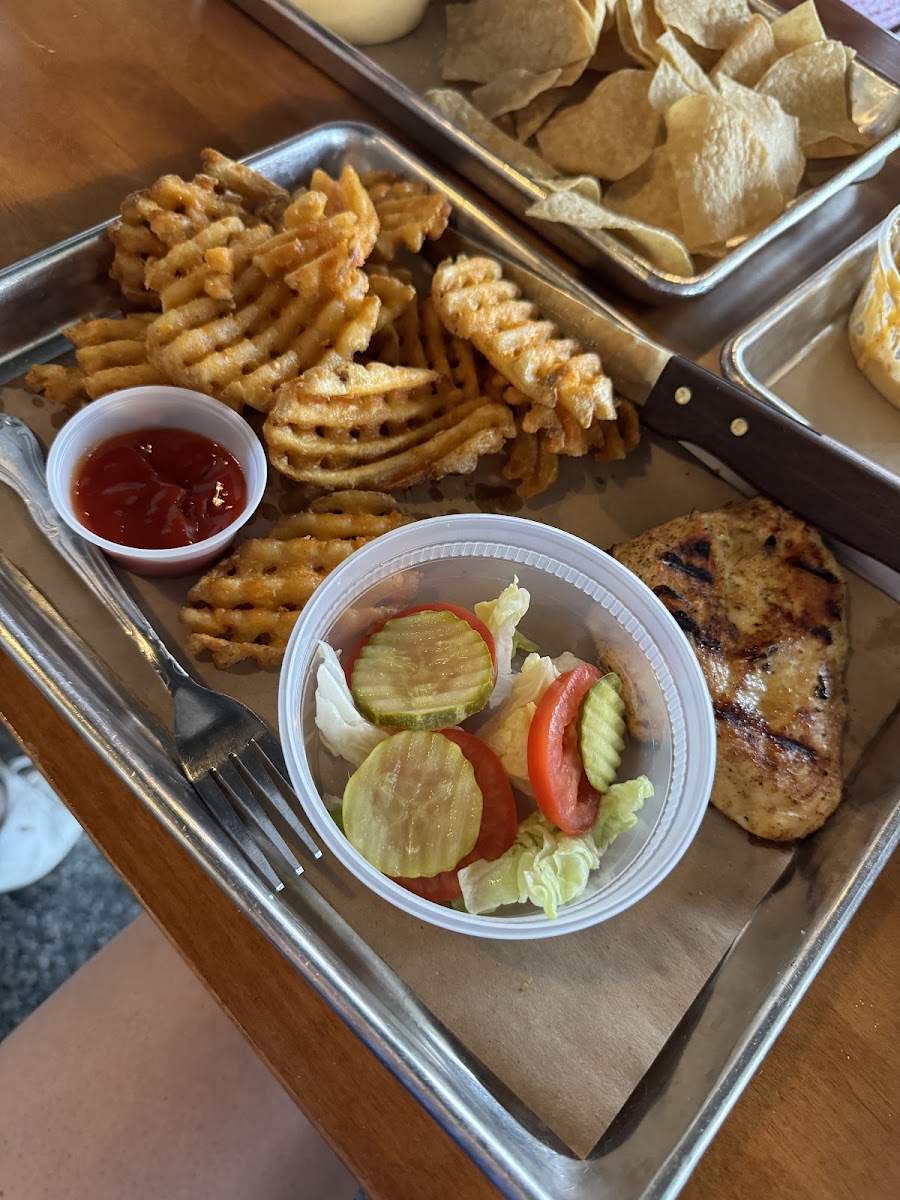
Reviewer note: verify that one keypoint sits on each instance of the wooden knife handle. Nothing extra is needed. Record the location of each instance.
(822, 481)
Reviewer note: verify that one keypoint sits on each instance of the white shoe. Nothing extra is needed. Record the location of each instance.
(37, 831)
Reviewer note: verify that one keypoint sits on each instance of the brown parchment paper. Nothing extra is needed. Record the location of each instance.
(570, 1024)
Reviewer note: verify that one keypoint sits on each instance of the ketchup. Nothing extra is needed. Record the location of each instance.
(154, 489)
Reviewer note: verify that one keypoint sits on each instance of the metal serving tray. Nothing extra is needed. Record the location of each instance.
(789, 351)
(658, 1136)
(394, 77)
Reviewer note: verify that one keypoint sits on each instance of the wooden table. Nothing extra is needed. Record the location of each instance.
(99, 97)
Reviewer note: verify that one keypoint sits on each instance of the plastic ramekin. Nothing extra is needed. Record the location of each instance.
(583, 601)
(148, 408)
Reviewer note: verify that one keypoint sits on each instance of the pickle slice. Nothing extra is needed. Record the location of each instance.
(423, 670)
(601, 731)
(413, 808)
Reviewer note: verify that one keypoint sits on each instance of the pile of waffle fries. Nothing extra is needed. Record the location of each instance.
(375, 373)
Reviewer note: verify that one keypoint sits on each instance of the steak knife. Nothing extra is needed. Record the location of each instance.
(829, 485)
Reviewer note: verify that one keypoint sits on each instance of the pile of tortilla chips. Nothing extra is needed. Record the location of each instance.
(682, 127)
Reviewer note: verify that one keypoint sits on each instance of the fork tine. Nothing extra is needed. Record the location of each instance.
(271, 770)
(224, 814)
(228, 776)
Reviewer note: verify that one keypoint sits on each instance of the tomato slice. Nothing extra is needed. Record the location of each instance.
(499, 819)
(463, 613)
(555, 770)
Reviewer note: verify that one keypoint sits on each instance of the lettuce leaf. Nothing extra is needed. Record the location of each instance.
(345, 732)
(548, 867)
(502, 617)
(507, 731)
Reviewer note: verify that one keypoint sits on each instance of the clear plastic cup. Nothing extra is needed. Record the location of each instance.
(583, 601)
(875, 320)
(148, 408)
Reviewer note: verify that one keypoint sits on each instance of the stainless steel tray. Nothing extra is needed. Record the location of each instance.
(799, 344)
(653, 1144)
(394, 77)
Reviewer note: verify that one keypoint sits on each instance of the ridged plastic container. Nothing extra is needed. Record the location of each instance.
(583, 601)
(148, 408)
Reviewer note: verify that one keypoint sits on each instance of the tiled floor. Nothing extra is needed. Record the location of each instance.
(47, 930)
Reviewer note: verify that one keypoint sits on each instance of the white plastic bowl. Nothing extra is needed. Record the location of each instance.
(582, 600)
(148, 408)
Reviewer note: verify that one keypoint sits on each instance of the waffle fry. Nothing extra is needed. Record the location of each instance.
(261, 197)
(61, 385)
(408, 213)
(247, 605)
(613, 440)
(271, 333)
(395, 292)
(348, 195)
(380, 427)
(111, 353)
(474, 301)
(531, 462)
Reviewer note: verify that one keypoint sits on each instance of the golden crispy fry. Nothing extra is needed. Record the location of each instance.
(475, 302)
(111, 353)
(418, 339)
(154, 220)
(247, 605)
(241, 351)
(380, 427)
(62, 385)
(532, 462)
(263, 198)
(348, 195)
(395, 293)
(611, 440)
(408, 212)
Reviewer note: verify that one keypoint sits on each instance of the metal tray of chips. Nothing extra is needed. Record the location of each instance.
(797, 353)
(651, 1147)
(394, 78)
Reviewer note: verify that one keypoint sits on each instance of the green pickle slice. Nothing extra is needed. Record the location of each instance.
(601, 732)
(425, 670)
(413, 809)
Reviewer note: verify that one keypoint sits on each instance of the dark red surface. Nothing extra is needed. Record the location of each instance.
(156, 489)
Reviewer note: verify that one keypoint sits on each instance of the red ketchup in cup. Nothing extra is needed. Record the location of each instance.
(156, 489)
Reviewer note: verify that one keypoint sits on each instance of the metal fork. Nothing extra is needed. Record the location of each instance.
(228, 753)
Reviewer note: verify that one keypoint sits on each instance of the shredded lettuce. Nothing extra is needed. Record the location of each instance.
(345, 732)
(548, 867)
(502, 617)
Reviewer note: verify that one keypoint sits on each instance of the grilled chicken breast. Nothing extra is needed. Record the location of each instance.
(761, 600)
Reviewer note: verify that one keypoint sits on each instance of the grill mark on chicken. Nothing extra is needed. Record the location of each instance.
(735, 715)
(676, 561)
(761, 599)
(821, 572)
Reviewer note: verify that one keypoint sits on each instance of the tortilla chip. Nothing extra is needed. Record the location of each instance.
(512, 90)
(639, 28)
(650, 194)
(662, 249)
(798, 27)
(608, 135)
(585, 185)
(778, 132)
(811, 85)
(833, 147)
(750, 54)
(535, 115)
(688, 68)
(668, 86)
(710, 23)
(487, 38)
(725, 179)
(462, 112)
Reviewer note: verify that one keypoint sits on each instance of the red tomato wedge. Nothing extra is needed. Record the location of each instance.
(555, 770)
(499, 819)
(463, 613)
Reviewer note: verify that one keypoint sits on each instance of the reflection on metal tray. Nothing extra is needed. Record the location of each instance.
(797, 354)
(663, 1129)
(394, 77)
